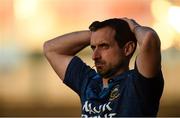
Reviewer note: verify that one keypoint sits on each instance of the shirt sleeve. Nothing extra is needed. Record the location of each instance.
(152, 88)
(77, 74)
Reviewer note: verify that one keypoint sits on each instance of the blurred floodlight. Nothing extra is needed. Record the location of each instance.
(25, 8)
(159, 9)
(165, 33)
(166, 17)
(174, 17)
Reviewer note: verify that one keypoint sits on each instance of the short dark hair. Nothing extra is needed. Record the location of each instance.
(123, 31)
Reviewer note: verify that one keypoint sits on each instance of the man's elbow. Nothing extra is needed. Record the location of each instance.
(152, 40)
(46, 48)
(49, 49)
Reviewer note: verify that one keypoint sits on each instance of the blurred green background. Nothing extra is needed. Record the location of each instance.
(29, 86)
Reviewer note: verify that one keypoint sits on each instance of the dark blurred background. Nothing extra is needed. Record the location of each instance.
(29, 86)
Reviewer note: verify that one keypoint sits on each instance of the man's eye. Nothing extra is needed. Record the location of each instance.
(93, 47)
(105, 46)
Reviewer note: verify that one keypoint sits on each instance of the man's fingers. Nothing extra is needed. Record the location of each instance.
(132, 23)
(125, 18)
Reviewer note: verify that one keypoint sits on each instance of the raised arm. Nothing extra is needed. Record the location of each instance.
(149, 57)
(60, 50)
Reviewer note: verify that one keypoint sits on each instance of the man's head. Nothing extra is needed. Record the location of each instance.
(113, 45)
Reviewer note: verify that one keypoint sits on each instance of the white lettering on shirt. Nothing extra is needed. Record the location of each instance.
(87, 107)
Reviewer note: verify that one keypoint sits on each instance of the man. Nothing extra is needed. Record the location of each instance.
(113, 90)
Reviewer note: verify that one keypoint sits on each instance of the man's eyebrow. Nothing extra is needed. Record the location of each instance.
(104, 43)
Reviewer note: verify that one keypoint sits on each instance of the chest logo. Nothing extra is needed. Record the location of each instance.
(115, 93)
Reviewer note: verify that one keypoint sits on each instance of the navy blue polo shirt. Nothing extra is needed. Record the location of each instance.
(128, 94)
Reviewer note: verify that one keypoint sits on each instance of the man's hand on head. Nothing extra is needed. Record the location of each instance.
(132, 24)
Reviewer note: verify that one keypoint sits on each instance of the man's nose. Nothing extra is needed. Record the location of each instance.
(96, 54)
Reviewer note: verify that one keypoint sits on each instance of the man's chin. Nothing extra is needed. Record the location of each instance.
(107, 74)
(103, 74)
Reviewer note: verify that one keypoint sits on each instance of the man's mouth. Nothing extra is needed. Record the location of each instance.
(99, 64)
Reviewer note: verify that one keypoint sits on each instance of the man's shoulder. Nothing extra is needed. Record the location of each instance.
(80, 67)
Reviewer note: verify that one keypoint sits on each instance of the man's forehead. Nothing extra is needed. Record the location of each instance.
(105, 30)
(95, 42)
(103, 35)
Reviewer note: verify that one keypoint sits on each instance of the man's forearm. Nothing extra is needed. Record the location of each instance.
(146, 37)
(68, 44)
(148, 60)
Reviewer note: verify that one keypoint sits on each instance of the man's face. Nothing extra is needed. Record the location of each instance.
(106, 53)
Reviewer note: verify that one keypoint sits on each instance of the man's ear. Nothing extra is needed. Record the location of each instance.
(129, 48)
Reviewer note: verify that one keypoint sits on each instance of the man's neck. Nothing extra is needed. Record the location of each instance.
(105, 80)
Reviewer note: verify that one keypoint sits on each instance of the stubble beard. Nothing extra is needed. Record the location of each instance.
(103, 72)
(110, 71)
